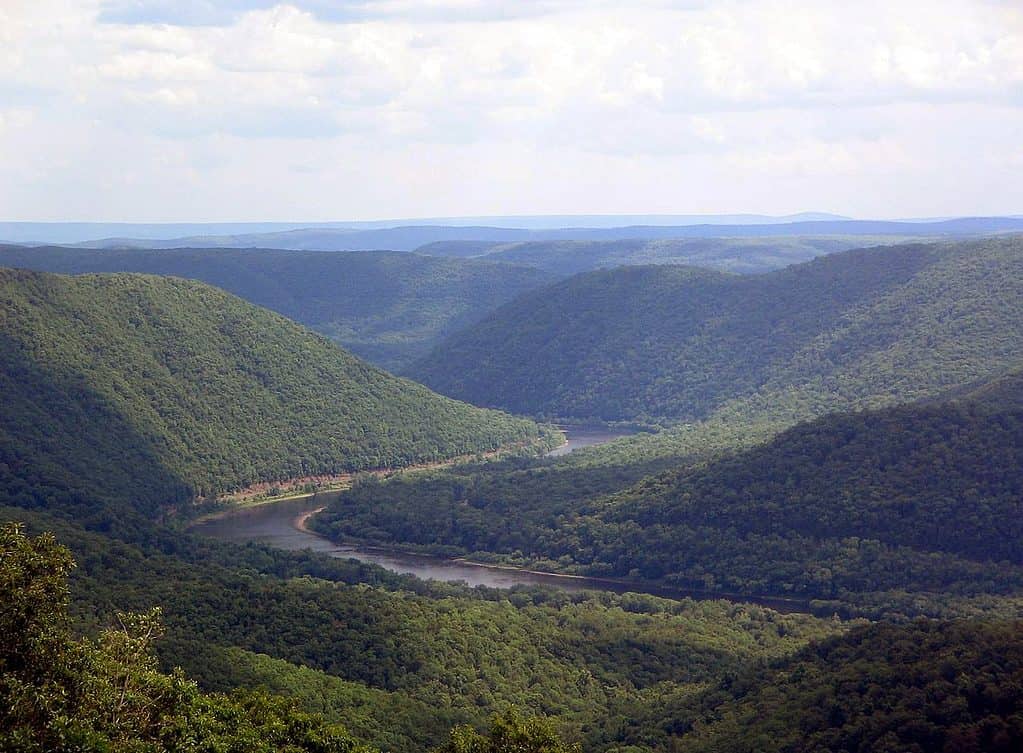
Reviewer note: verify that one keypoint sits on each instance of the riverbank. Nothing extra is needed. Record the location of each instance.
(260, 494)
(585, 582)
(283, 523)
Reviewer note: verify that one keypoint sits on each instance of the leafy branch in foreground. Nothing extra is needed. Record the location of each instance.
(59, 692)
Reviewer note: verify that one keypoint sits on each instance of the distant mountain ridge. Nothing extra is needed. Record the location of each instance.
(742, 255)
(387, 307)
(76, 232)
(410, 237)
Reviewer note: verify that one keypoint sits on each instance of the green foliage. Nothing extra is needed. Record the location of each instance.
(124, 393)
(156, 389)
(849, 330)
(919, 688)
(58, 692)
(401, 667)
(387, 307)
(508, 733)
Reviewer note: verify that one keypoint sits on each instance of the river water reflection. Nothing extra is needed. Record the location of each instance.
(278, 524)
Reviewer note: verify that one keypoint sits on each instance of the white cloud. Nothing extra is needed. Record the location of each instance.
(413, 103)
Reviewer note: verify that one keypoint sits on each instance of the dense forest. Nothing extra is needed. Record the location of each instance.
(160, 389)
(105, 692)
(387, 307)
(400, 661)
(928, 686)
(656, 343)
(868, 464)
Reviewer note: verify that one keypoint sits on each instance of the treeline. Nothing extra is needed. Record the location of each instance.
(159, 389)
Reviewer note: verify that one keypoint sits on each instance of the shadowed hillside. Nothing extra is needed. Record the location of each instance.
(159, 388)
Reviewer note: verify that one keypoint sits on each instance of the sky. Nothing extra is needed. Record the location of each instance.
(246, 110)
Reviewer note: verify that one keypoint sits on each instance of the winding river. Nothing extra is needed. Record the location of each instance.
(281, 524)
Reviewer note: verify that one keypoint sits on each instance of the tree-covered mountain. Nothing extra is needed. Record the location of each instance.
(387, 307)
(122, 393)
(158, 389)
(740, 255)
(851, 329)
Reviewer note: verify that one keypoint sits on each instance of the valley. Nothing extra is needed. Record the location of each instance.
(763, 474)
(283, 524)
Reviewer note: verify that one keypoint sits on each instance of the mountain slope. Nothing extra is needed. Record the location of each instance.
(156, 389)
(850, 329)
(741, 255)
(915, 497)
(929, 686)
(387, 307)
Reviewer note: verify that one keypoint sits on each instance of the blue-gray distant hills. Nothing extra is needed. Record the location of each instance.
(77, 232)
(411, 237)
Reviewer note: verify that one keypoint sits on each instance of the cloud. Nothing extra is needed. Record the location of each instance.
(558, 99)
(225, 12)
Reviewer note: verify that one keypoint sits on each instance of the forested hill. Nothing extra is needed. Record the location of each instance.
(847, 330)
(901, 498)
(741, 255)
(929, 686)
(387, 307)
(156, 389)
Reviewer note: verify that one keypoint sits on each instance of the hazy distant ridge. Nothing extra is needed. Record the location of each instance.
(348, 237)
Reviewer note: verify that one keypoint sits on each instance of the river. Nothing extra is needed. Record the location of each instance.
(279, 524)
(585, 436)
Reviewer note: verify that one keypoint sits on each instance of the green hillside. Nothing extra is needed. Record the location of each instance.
(917, 498)
(925, 687)
(387, 307)
(157, 389)
(852, 329)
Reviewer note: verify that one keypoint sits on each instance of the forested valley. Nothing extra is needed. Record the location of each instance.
(845, 433)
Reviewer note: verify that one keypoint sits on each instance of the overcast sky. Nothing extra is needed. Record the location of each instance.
(161, 110)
